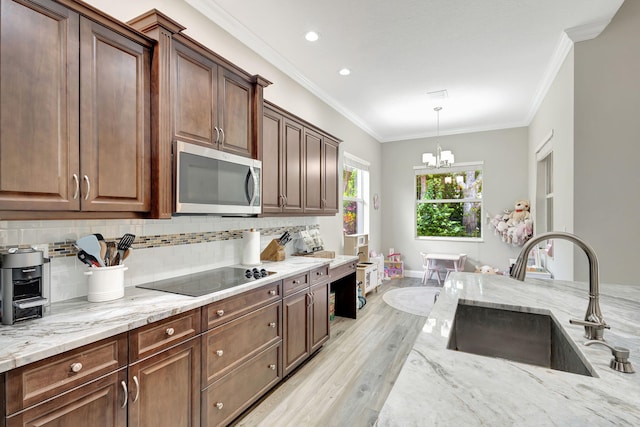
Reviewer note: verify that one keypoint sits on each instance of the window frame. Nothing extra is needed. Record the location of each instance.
(457, 167)
(364, 182)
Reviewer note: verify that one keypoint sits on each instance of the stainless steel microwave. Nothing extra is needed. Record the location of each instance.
(214, 182)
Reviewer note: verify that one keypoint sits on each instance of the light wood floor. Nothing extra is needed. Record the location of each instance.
(348, 380)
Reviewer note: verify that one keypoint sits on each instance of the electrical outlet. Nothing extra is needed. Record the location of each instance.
(44, 247)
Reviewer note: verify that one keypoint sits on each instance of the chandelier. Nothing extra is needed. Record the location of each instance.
(441, 158)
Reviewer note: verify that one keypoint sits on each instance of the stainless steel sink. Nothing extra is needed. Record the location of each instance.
(532, 336)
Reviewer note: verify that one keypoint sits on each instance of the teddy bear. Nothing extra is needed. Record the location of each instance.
(519, 214)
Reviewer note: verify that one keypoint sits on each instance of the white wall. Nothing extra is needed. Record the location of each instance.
(556, 114)
(504, 153)
(284, 92)
(607, 149)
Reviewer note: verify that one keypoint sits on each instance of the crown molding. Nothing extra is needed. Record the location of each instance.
(587, 31)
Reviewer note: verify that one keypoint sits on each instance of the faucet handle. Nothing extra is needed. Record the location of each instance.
(591, 324)
(620, 361)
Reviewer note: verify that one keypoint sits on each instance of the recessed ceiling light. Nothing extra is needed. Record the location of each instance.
(311, 36)
(345, 72)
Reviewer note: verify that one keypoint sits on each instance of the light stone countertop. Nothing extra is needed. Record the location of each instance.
(77, 322)
(441, 387)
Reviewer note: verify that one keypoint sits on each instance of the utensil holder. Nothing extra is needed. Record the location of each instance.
(273, 252)
(106, 283)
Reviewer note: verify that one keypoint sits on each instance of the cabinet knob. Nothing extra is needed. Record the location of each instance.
(220, 313)
(320, 273)
(76, 367)
(272, 367)
(296, 282)
(272, 292)
(272, 324)
(219, 353)
(170, 331)
(219, 405)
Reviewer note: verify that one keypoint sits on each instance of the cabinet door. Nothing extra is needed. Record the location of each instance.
(330, 176)
(194, 97)
(320, 315)
(234, 114)
(164, 389)
(312, 172)
(272, 198)
(39, 138)
(115, 121)
(99, 403)
(296, 329)
(293, 159)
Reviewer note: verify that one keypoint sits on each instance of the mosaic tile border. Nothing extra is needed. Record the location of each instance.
(67, 248)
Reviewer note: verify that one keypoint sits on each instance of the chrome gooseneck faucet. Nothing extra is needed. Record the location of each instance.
(593, 322)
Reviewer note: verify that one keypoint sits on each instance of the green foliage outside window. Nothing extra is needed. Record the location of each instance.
(449, 204)
(350, 207)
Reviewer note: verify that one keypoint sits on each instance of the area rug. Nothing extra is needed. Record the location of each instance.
(415, 300)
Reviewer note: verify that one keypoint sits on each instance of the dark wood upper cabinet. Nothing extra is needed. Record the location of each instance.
(235, 117)
(114, 121)
(39, 112)
(75, 112)
(299, 166)
(282, 164)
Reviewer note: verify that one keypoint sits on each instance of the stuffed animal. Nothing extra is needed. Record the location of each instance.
(519, 214)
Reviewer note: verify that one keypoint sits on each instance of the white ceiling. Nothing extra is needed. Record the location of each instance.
(495, 58)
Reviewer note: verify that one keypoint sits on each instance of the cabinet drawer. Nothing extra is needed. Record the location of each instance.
(294, 284)
(41, 380)
(222, 311)
(229, 345)
(226, 399)
(157, 336)
(98, 403)
(343, 270)
(319, 274)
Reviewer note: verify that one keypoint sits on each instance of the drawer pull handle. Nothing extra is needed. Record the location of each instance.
(296, 282)
(135, 380)
(272, 324)
(319, 273)
(76, 367)
(272, 367)
(220, 313)
(219, 405)
(170, 331)
(126, 394)
(272, 292)
(219, 353)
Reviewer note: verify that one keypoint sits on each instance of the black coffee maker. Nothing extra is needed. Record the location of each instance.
(24, 285)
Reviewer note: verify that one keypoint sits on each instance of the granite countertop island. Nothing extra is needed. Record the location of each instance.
(441, 387)
(74, 323)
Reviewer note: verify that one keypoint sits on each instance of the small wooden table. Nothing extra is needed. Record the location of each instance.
(451, 262)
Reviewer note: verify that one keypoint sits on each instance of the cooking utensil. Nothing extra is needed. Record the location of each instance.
(124, 244)
(112, 251)
(90, 245)
(88, 259)
(103, 250)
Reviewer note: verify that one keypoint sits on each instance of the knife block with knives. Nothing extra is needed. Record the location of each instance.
(275, 249)
(273, 252)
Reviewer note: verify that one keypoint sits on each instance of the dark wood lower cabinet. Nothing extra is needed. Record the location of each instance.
(295, 310)
(97, 404)
(320, 315)
(164, 389)
(225, 399)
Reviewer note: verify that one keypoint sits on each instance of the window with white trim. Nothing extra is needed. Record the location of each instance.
(355, 195)
(449, 202)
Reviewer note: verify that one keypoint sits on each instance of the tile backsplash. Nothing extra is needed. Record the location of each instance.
(162, 248)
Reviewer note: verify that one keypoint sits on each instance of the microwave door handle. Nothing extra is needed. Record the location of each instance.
(252, 174)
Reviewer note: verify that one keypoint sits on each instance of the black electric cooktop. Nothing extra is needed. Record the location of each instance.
(207, 282)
